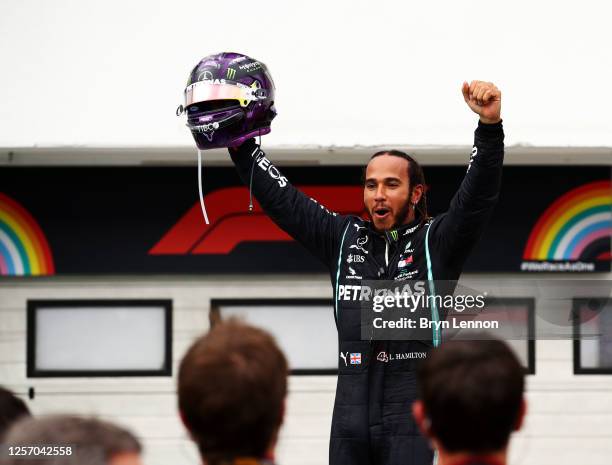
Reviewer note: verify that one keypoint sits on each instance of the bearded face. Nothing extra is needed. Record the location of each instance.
(387, 194)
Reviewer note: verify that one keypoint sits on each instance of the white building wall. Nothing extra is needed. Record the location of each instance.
(569, 419)
(348, 72)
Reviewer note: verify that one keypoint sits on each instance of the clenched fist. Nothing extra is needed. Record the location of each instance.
(484, 99)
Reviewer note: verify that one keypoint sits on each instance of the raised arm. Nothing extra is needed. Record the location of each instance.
(458, 230)
(302, 217)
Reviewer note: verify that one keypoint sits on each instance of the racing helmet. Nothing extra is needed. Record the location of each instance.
(229, 98)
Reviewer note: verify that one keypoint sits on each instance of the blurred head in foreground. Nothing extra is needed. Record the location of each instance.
(232, 384)
(470, 400)
(12, 408)
(90, 442)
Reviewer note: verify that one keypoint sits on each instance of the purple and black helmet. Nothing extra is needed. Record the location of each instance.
(229, 98)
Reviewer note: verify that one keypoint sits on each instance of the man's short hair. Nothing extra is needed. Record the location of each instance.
(232, 384)
(472, 392)
(12, 408)
(92, 441)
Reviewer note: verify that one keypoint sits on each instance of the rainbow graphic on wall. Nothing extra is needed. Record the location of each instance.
(24, 250)
(577, 226)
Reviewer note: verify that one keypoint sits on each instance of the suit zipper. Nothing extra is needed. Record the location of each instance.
(394, 259)
(387, 253)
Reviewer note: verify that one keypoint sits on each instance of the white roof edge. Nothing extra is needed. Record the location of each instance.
(290, 155)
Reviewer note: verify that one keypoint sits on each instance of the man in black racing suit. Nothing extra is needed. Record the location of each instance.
(372, 422)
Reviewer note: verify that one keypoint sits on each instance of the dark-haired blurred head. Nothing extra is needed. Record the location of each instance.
(232, 384)
(12, 408)
(471, 396)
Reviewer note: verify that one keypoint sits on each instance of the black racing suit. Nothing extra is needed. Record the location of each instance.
(372, 420)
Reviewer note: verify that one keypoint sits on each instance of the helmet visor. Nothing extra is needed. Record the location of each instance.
(203, 91)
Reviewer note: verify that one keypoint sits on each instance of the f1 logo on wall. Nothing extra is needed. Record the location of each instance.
(233, 224)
